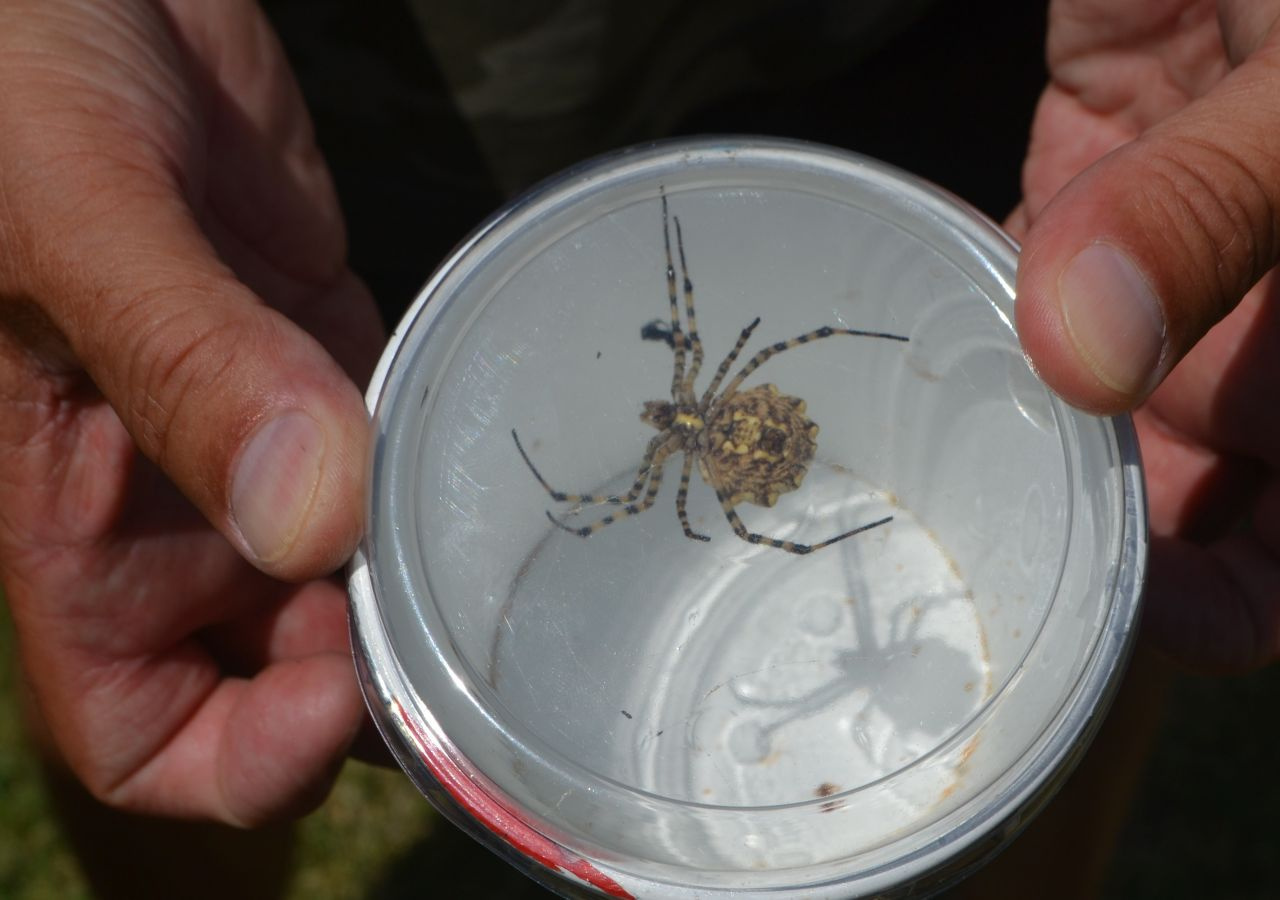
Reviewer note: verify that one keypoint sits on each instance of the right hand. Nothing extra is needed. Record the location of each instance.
(1148, 283)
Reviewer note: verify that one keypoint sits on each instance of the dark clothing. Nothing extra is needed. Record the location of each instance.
(433, 113)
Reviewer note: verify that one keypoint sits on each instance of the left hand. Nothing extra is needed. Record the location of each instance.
(182, 439)
(1150, 219)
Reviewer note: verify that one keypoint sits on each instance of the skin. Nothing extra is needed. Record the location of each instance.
(172, 280)
(182, 442)
(1157, 135)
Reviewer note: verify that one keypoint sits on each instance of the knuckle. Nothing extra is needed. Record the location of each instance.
(1222, 213)
(173, 355)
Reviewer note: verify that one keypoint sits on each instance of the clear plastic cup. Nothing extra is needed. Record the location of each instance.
(638, 713)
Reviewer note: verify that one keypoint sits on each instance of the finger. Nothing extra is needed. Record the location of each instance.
(1145, 250)
(307, 621)
(271, 196)
(242, 409)
(254, 751)
(1222, 395)
(1215, 610)
(1193, 491)
(1018, 221)
(246, 412)
(1245, 25)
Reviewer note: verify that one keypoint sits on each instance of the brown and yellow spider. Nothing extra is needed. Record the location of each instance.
(751, 446)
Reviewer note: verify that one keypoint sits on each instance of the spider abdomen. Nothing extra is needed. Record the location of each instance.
(758, 445)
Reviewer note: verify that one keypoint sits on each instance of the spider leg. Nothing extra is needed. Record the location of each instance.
(817, 334)
(752, 537)
(630, 509)
(651, 459)
(649, 473)
(682, 497)
(678, 338)
(723, 369)
(694, 341)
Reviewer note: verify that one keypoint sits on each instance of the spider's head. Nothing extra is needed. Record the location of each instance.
(658, 413)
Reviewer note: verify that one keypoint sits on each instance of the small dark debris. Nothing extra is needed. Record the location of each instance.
(659, 734)
(627, 714)
(826, 789)
(658, 330)
(598, 354)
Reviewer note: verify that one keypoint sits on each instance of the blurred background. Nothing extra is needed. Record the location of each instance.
(1181, 782)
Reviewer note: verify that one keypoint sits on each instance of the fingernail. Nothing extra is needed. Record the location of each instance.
(1114, 318)
(275, 482)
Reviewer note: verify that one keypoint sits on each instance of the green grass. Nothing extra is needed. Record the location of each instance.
(35, 862)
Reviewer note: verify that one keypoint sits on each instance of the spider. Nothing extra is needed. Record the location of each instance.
(751, 446)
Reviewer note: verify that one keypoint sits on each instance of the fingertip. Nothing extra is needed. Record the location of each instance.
(277, 477)
(288, 737)
(1091, 322)
(1091, 326)
(1144, 251)
(295, 498)
(241, 405)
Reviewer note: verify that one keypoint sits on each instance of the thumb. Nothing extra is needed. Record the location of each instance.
(1143, 252)
(247, 413)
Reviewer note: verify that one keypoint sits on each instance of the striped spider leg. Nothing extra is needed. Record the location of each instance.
(650, 473)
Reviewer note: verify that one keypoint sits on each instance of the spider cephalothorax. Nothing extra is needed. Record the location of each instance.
(751, 445)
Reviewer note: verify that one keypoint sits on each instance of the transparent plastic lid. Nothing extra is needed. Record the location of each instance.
(729, 714)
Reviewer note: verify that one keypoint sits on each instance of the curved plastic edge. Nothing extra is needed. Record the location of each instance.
(477, 807)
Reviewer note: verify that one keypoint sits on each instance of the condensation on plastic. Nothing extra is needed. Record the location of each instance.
(640, 714)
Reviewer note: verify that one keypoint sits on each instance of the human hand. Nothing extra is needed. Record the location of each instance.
(1151, 215)
(179, 335)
